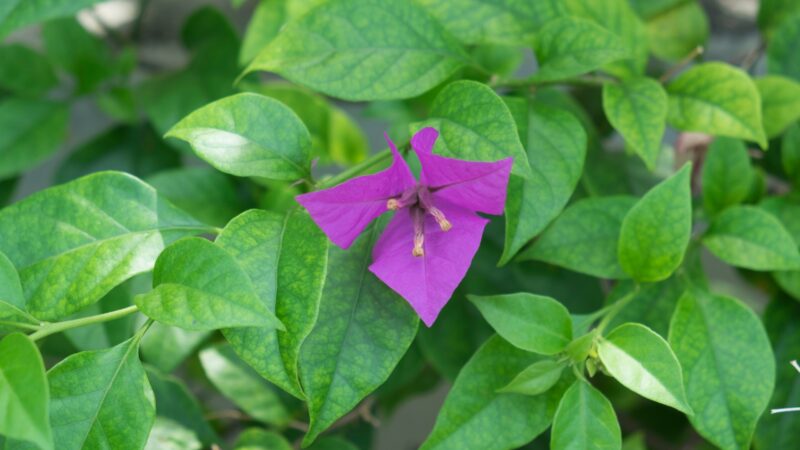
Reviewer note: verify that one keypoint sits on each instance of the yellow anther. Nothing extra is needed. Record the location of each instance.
(438, 215)
(392, 204)
(419, 239)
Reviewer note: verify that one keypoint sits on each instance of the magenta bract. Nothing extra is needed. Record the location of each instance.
(426, 249)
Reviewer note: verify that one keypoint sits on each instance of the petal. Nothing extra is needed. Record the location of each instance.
(477, 186)
(343, 211)
(427, 282)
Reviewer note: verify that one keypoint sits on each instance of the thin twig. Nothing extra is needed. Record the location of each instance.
(681, 64)
(752, 56)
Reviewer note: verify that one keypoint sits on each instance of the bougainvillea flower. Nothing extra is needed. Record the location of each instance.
(426, 249)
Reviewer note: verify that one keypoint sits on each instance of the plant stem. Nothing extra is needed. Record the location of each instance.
(358, 169)
(50, 328)
(615, 309)
(783, 410)
(681, 64)
(586, 80)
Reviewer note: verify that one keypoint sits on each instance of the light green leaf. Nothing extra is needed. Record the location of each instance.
(335, 137)
(790, 153)
(91, 234)
(535, 379)
(19, 13)
(585, 237)
(775, 431)
(248, 135)
(265, 23)
(362, 331)
(585, 419)
(286, 259)
(643, 362)
(727, 175)
(494, 21)
(25, 393)
(203, 192)
(787, 210)
(679, 30)
(568, 46)
(33, 131)
(474, 124)
(105, 334)
(243, 386)
(167, 434)
(474, 411)
(728, 366)
(718, 99)
(199, 286)
(747, 236)
(780, 103)
(782, 48)
(656, 231)
(772, 13)
(101, 399)
(364, 50)
(37, 78)
(556, 142)
(619, 18)
(259, 439)
(531, 322)
(652, 305)
(637, 108)
(167, 347)
(174, 401)
(12, 301)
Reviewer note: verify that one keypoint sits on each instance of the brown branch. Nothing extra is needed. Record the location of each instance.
(681, 64)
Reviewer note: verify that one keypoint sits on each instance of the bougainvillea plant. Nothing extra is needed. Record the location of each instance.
(590, 205)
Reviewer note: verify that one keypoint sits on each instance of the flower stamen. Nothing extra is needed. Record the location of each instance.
(438, 215)
(392, 204)
(418, 217)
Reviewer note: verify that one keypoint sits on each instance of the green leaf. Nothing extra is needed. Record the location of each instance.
(790, 153)
(332, 443)
(718, 99)
(362, 331)
(474, 411)
(83, 55)
(772, 13)
(105, 334)
(749, 237)
(33, 131)
(568, 46)
(531, 322)
(535, 379)
(787, 210)
(774, 430)
(475, 124)
(727, 175)
(167, 347)
(166, 434)
(727, 363)
(37, 78)
(656, 231)
(199, 286)
(248, 135)
(101, 399)
(617, 17)
(137, 150)
(652, 305)
(12, 301)
(782, 48)
(679, 30)
(556, 142)
(332, 50)
(25, 392)
(286, 259)
(585, 419)
(91, 234)
(19, 13)
(494, 21)
(585, 237)
(334, 136)
(258, 439)
(265, 23)
(780, 103)
(637, 108)
(243, 386)
(203, 192)
(174, 401)
(643, 362)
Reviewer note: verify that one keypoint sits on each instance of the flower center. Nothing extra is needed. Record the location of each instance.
(419, 200)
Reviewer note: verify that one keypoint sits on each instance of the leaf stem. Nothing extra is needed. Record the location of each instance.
(615, 309)
(784, 410)
(56, 327)
(697, 51)
(358, 169)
